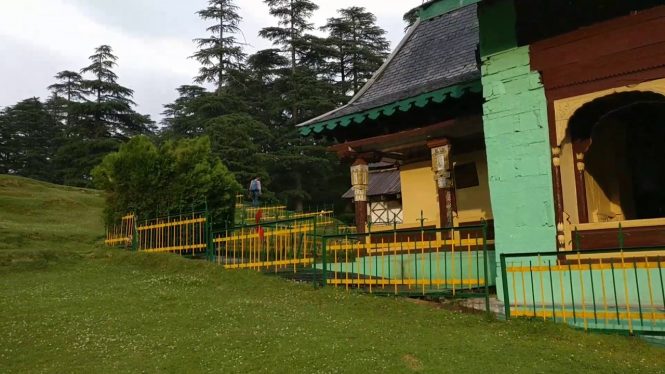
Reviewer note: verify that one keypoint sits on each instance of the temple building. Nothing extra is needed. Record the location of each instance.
(422, 112)
(544, 119)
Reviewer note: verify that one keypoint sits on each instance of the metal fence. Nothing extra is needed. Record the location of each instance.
(182, 234)
(618, 290)
(457, 262)
(284, 245)
(122, 233)
(314, 247)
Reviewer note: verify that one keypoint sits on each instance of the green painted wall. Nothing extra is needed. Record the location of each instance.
(497, 26)
(421, 266)
(518, 154)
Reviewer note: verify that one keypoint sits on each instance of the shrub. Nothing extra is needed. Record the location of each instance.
(153, 181)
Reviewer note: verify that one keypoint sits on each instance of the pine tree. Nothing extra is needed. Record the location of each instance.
(98, 114)
(181, 118)
(293, 22)
(220, 52)
(68, 86)
(28, 140)
(264, 86)
(65, 94)
(360, 46)
(110, 112)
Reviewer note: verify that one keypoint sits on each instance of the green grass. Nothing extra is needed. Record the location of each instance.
(38, 217)
(94, 310)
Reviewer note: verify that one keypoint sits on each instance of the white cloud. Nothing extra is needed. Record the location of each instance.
(152, 38)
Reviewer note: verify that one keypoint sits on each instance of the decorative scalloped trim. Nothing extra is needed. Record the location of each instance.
(388, 110)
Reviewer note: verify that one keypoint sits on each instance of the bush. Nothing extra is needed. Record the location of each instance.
(177, 176)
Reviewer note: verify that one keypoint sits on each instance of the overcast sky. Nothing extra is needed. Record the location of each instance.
(152, 39)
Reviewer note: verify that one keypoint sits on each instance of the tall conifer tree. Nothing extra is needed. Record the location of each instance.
(360, 46)
(28, 138)
(293, 24)
(220, 53)
(64, 96)
(110, 111)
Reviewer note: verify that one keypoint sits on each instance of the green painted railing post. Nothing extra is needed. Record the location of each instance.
(486, 270)
(314, 238)
(207, 232)
(135, 236)
(504, 279)
(324, 262)
(621, 238)
(639, 298)
(210, 248)
(577, 240)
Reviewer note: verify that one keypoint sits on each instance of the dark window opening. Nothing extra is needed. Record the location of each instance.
(466, 175)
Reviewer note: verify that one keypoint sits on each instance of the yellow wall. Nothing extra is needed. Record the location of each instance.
(419, 193)
(570, 214)
(473, 203)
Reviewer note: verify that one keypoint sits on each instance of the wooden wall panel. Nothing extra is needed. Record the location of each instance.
(602, 56)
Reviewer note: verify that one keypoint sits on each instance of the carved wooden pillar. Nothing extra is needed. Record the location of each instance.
(360, 181)
(442, 167)
(580, 148)
(558, 198)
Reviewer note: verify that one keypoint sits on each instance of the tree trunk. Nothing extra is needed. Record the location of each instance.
(355, 57)
(293, 68)
(221, 45)
(298, 203)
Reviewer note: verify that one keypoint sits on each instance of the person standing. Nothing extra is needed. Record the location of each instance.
(255, 190)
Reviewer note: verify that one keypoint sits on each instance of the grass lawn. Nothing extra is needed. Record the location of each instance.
(37, 218)
(94, 310)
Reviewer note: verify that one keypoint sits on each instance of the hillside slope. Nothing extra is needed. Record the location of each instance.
(73, 307)
(38, 216)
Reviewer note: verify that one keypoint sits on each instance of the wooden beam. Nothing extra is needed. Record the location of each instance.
(450, 128)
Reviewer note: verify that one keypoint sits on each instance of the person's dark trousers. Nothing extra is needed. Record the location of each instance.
(255, 198)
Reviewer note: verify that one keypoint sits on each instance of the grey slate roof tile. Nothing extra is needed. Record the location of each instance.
(381, 182)
(440, 53)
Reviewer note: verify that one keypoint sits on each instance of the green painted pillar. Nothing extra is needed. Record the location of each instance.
(517, 140)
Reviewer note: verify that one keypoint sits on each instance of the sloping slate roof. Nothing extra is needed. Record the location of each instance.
(439, 53)
(383, 182)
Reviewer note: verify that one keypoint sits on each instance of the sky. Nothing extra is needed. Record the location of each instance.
(152, 39)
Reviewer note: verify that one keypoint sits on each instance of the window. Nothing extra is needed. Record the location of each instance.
(385, 212)
(466, 176)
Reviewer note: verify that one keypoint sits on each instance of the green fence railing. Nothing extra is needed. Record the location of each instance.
(614, 290)
(457, 262)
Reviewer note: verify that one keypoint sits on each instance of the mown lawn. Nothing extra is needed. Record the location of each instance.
(101, 311)
(38, 217)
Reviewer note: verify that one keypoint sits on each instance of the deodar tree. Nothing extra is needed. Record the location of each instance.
(29, 135)
(98, 115)
(220, 52)
(359, 44)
